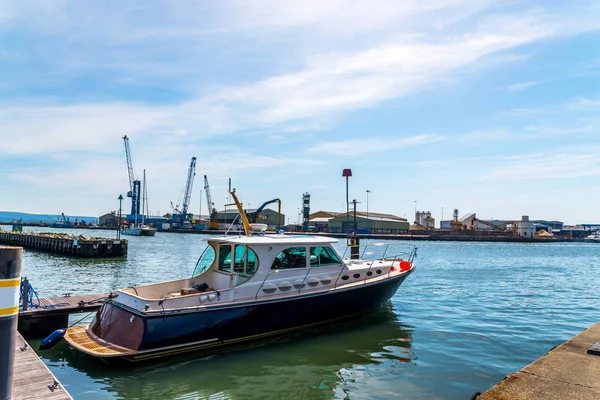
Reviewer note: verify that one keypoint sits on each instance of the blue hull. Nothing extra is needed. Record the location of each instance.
(59, 225)
(255, 321)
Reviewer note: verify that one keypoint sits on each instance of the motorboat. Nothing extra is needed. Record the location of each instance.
(594, 237)
(147, 230)
(243, 288)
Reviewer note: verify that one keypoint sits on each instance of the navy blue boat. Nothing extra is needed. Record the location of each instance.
(62, 222)
(243, 288)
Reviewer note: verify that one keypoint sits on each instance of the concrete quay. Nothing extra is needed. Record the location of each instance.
(569, 371)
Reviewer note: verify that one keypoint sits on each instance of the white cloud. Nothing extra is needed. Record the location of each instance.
(371, 145)
(584, 103)
(396, 54)
(546, 166)
(577, 105)
(518, 87)
(46, 129)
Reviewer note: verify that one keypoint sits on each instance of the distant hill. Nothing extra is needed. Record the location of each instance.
(8, 216)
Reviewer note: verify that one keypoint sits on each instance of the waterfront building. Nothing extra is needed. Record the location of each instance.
(266, 216)
(368, 223)
(471, 222)
(549, 226)
(319, 221)
(525, 227)
(424, 219)
(110, 219)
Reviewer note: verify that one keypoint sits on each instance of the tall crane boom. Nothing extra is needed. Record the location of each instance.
(188, 186)
(208, 199)
(129, 165)
(212, 212)
(134, 184)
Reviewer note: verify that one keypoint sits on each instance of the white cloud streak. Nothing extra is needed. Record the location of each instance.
(545, 166)
(371, 145)
(518, 87)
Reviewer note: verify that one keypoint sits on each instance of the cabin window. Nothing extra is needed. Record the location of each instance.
(225, 258)
(246, 263)
(293, 257)
(206, 260)
(323, 257)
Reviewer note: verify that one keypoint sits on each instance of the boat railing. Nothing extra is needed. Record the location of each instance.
(384, 251)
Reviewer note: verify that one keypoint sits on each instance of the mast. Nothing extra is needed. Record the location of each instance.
(144, 200)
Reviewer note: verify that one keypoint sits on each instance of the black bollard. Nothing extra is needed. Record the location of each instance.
(10, 281)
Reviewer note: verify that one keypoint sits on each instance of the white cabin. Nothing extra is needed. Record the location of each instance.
(264, 267)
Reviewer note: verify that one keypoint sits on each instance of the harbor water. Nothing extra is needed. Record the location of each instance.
(470, 314)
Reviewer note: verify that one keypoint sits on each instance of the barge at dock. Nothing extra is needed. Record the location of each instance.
(67, 245)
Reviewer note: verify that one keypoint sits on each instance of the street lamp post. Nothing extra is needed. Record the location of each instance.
(347, 172)
(354, 223)
(442, 218)
(368, 223)
(415, 211)
(119, 224)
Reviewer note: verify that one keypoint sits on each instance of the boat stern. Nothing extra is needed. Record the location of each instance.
(114, 332)
(83, 339)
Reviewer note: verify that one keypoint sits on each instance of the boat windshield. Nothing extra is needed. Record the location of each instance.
(206, 260)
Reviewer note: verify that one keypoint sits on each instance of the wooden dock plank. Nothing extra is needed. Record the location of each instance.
(67, 303)
(32, 379)
(53, 313)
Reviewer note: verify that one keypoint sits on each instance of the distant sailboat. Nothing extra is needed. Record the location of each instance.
(141, 229)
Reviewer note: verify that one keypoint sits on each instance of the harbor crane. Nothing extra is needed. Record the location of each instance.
(212, 212)
(254, 215)
(181, 217)
(134, 184)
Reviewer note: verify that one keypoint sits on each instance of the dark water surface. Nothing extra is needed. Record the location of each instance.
(469, 315)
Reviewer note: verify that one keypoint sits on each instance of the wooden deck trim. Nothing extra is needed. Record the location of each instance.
(80, 337)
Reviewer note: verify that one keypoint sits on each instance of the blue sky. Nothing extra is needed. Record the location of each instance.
(486, 106)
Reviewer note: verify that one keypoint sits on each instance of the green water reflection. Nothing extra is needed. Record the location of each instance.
(314, 363)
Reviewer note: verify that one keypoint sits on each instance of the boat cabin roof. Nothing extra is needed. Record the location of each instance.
(271, 239)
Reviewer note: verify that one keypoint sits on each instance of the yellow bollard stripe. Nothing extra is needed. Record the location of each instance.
(9, 282)
(5, 312)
